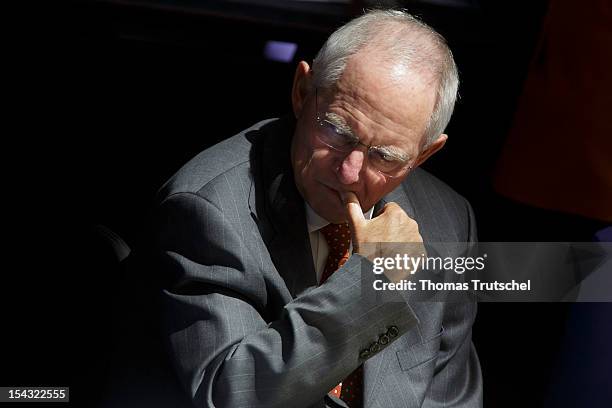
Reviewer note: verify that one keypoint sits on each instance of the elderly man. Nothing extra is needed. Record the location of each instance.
(261, 238)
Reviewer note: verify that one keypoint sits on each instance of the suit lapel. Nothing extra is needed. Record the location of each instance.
(402, 199)
(288, 240)
(375, 369)
(290, 246)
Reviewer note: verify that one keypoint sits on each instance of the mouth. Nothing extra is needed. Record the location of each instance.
(335, 192)
(332, 191)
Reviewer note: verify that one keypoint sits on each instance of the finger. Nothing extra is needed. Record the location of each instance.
(396, 212)
(391, 207)
(354, 214)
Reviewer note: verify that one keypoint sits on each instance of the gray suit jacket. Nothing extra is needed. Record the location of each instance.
(244, 322)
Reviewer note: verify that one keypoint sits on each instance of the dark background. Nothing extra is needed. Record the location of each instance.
(109, 98)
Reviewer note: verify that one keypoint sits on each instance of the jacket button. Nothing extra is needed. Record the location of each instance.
(374, 347)
(393, 331)
(383, 339)
(365, 353)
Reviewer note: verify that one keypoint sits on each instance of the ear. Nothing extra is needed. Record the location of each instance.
(301, 87)
(431, 149)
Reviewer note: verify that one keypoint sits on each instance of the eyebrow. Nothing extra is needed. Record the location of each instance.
(395, 153)
(340, 123)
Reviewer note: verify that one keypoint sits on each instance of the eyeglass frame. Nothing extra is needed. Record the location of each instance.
(358, 142)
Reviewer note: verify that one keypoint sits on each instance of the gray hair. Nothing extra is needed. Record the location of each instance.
(405, 39)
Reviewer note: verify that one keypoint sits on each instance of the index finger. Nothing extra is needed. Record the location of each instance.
(354, 214)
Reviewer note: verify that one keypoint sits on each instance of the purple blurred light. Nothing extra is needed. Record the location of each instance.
(280, 51)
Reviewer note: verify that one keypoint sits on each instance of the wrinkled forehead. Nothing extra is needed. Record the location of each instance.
(387, 103)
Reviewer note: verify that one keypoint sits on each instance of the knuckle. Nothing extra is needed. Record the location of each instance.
(392, 205)
(411, 224)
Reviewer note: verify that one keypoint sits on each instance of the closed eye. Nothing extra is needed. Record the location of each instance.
(390, 154)
(340, 130)
(387, 157)
(338, 134)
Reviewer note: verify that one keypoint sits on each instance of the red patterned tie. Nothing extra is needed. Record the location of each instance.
(338, 237)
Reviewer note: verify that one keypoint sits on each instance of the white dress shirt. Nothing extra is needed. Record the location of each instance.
(318, 244)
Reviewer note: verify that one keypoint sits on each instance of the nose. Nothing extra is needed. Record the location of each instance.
(351, 166)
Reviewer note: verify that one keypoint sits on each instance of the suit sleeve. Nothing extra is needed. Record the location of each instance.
(458, 381)
(214, 303)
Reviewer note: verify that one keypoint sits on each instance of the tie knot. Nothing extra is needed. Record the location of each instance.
(337, 235)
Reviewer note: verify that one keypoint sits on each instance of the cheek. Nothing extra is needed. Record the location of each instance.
(308, 166)
(375, 189)
(315, 164)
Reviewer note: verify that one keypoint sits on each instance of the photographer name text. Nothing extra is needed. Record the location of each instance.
(474, 284)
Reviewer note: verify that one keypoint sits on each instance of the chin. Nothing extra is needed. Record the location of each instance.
(336, 220)
(333, 215)
(339, 221)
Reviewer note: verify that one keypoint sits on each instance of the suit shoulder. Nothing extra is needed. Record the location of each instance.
(427, 182)
(446, 214)
(228, 158)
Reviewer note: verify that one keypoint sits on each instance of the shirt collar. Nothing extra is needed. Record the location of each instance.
(316, 222)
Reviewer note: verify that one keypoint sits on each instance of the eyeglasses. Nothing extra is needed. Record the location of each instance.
(384, 159)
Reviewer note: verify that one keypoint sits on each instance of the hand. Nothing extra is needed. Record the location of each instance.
(392, 226)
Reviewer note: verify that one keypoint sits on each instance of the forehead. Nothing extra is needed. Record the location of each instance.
(384, 103)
